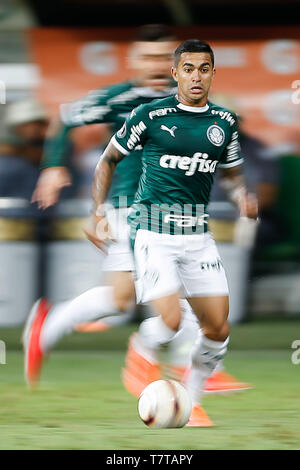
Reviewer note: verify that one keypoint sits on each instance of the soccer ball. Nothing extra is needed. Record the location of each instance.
(165, 404)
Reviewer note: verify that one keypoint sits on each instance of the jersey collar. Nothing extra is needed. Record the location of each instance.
(193, 109)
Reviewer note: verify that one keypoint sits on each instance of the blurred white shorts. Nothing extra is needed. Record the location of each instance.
(166, 264)
(119, 254)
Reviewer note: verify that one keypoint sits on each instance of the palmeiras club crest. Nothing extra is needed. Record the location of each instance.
(215, 135)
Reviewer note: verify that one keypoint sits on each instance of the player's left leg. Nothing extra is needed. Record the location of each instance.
(220, 381)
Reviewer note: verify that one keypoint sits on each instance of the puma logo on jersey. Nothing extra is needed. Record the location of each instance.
(172, 130)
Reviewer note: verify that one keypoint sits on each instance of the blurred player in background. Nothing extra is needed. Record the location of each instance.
(184, 138)
(26, 123)
(150, 61)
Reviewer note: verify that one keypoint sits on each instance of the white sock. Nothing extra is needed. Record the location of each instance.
(219, 366)
(92, 305)
(181, 345)
(206, 355)
(153, 333)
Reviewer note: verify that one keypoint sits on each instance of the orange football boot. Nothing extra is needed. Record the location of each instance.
(222, 382)
(139, 371)
(199, 418)
(34, 355)
(219, 382)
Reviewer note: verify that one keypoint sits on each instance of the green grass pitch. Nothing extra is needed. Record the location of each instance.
(81, 403)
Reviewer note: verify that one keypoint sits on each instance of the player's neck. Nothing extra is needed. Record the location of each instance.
(192, 103)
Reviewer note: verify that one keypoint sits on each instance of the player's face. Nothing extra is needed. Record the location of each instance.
(151, 62)
(194, 75)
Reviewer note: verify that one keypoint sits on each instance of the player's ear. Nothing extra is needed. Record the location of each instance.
(174, 73)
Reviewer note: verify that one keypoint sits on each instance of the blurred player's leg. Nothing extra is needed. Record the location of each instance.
(105, 323)
(94, 304)
(124, 293)
(97, 303)
(45, 326)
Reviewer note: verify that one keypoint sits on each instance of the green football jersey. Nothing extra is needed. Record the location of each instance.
(182, 148)
(108, 105)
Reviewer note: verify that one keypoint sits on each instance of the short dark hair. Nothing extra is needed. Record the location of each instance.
(153, 33)
(193, 45)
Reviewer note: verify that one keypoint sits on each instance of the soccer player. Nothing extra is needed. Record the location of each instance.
(184, 139)
(150, 59)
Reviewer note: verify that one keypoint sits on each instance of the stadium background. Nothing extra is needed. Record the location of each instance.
(58, 51)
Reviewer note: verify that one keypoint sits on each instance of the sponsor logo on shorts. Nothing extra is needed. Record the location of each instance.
(211, 265)
(215, 135)
(198, 162)
(186, 220)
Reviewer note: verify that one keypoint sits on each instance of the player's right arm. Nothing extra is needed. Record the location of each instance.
(97, 229)
(132, 134)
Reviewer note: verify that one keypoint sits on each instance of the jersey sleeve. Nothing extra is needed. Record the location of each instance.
(232, 155)
(57, 149)
(91, 109)
(134, 131)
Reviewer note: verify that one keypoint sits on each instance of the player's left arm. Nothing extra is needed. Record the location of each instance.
(233, 182)
(232, 176)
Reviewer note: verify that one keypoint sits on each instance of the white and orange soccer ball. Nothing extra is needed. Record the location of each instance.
(165, 404)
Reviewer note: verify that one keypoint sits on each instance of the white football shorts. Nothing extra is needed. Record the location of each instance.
(166, 264)
(119, 254)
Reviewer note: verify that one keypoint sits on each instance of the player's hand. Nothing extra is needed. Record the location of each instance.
(98, 231)
(249, 206)
(50, 183)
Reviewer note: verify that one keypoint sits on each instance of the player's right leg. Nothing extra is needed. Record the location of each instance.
(141, 361)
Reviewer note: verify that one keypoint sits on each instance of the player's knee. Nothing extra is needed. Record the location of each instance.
(217, 331)
(172, 323)
(123, 302)
(172, 319)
